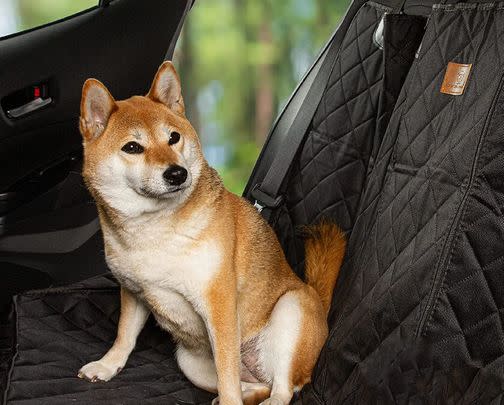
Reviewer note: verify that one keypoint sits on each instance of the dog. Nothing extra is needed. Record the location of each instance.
(200, 259)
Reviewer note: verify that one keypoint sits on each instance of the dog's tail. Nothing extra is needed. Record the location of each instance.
(324, 251)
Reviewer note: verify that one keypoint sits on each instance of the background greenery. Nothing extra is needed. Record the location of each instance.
(239, 61)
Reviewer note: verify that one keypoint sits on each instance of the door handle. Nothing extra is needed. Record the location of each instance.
(27, 108)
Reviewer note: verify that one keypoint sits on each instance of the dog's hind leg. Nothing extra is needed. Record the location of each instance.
(279, 340)
(291, 343)
(131, 322)
(254, 393)
(198, 366)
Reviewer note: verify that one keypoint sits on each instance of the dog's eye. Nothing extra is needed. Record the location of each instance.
(174, 138)
(132, 148)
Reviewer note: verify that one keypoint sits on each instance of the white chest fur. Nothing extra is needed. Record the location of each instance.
(169, 266)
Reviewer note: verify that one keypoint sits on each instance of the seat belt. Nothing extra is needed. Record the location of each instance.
(267, 194)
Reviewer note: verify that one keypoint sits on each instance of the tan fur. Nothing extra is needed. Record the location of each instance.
(313, 335)
(255, 397)
(224, 330)
(324, 252)
(236, 299)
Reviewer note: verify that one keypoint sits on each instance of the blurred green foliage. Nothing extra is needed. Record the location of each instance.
(239, 61)
(33, 13)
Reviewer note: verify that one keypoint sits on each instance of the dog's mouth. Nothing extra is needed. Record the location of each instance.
(160, 195)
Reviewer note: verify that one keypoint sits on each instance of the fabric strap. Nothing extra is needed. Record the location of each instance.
(267, 194)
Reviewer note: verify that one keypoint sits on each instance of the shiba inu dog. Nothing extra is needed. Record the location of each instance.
(199, 258)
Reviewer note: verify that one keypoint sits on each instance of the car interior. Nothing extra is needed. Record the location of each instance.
(377, 136)
(49, 227)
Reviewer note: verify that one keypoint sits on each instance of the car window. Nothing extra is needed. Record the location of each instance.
(239, 62)
(20, 15)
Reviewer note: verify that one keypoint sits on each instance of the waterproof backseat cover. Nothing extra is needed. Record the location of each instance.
(416, 179)
(61, 329)
(417, 313)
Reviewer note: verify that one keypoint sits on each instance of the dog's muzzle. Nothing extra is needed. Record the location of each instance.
(175, 175)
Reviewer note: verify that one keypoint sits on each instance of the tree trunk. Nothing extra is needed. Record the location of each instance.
(264, 89)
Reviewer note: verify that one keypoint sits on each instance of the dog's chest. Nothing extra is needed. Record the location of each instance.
(182, 258)
(170, 272)
(184, 267)
(174, 313)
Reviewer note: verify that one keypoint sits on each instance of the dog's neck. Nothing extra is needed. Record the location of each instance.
(206, 190)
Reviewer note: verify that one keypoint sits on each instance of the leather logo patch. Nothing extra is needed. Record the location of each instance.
(455, 78)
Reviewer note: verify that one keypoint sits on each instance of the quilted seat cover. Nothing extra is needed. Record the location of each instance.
(61, 329)
(414, 176)
(417, 316)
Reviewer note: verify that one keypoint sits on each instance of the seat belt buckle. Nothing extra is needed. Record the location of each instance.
(258, 206)
(264, 200)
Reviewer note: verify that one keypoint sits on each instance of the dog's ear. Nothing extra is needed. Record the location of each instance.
(96, 106)
(166, 88)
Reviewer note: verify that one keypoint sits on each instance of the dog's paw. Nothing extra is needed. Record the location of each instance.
(272, 401)
(98, 371)
(216, 401)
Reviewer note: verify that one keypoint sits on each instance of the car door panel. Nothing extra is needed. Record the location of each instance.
(48, 221)
(121, 45)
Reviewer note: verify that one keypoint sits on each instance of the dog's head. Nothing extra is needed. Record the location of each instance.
(140, 154)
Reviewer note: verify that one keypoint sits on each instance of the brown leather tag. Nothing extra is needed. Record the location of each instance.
(455, 78)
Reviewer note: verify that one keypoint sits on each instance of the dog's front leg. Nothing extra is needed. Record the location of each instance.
(224, 334)
(131, 321)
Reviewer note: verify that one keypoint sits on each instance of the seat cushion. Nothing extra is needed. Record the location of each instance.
(61, 329)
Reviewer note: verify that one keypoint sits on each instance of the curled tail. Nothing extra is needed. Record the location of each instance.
(324, 251)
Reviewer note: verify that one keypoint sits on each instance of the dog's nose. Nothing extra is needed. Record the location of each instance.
(175, 175)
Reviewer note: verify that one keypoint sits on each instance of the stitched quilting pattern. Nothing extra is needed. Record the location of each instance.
(327, 177)
(60, 330)
(417, 294)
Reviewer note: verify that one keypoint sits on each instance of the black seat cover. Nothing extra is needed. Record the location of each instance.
(61, 329)
(417, 314)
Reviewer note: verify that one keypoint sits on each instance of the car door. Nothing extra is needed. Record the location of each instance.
(49, 230)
